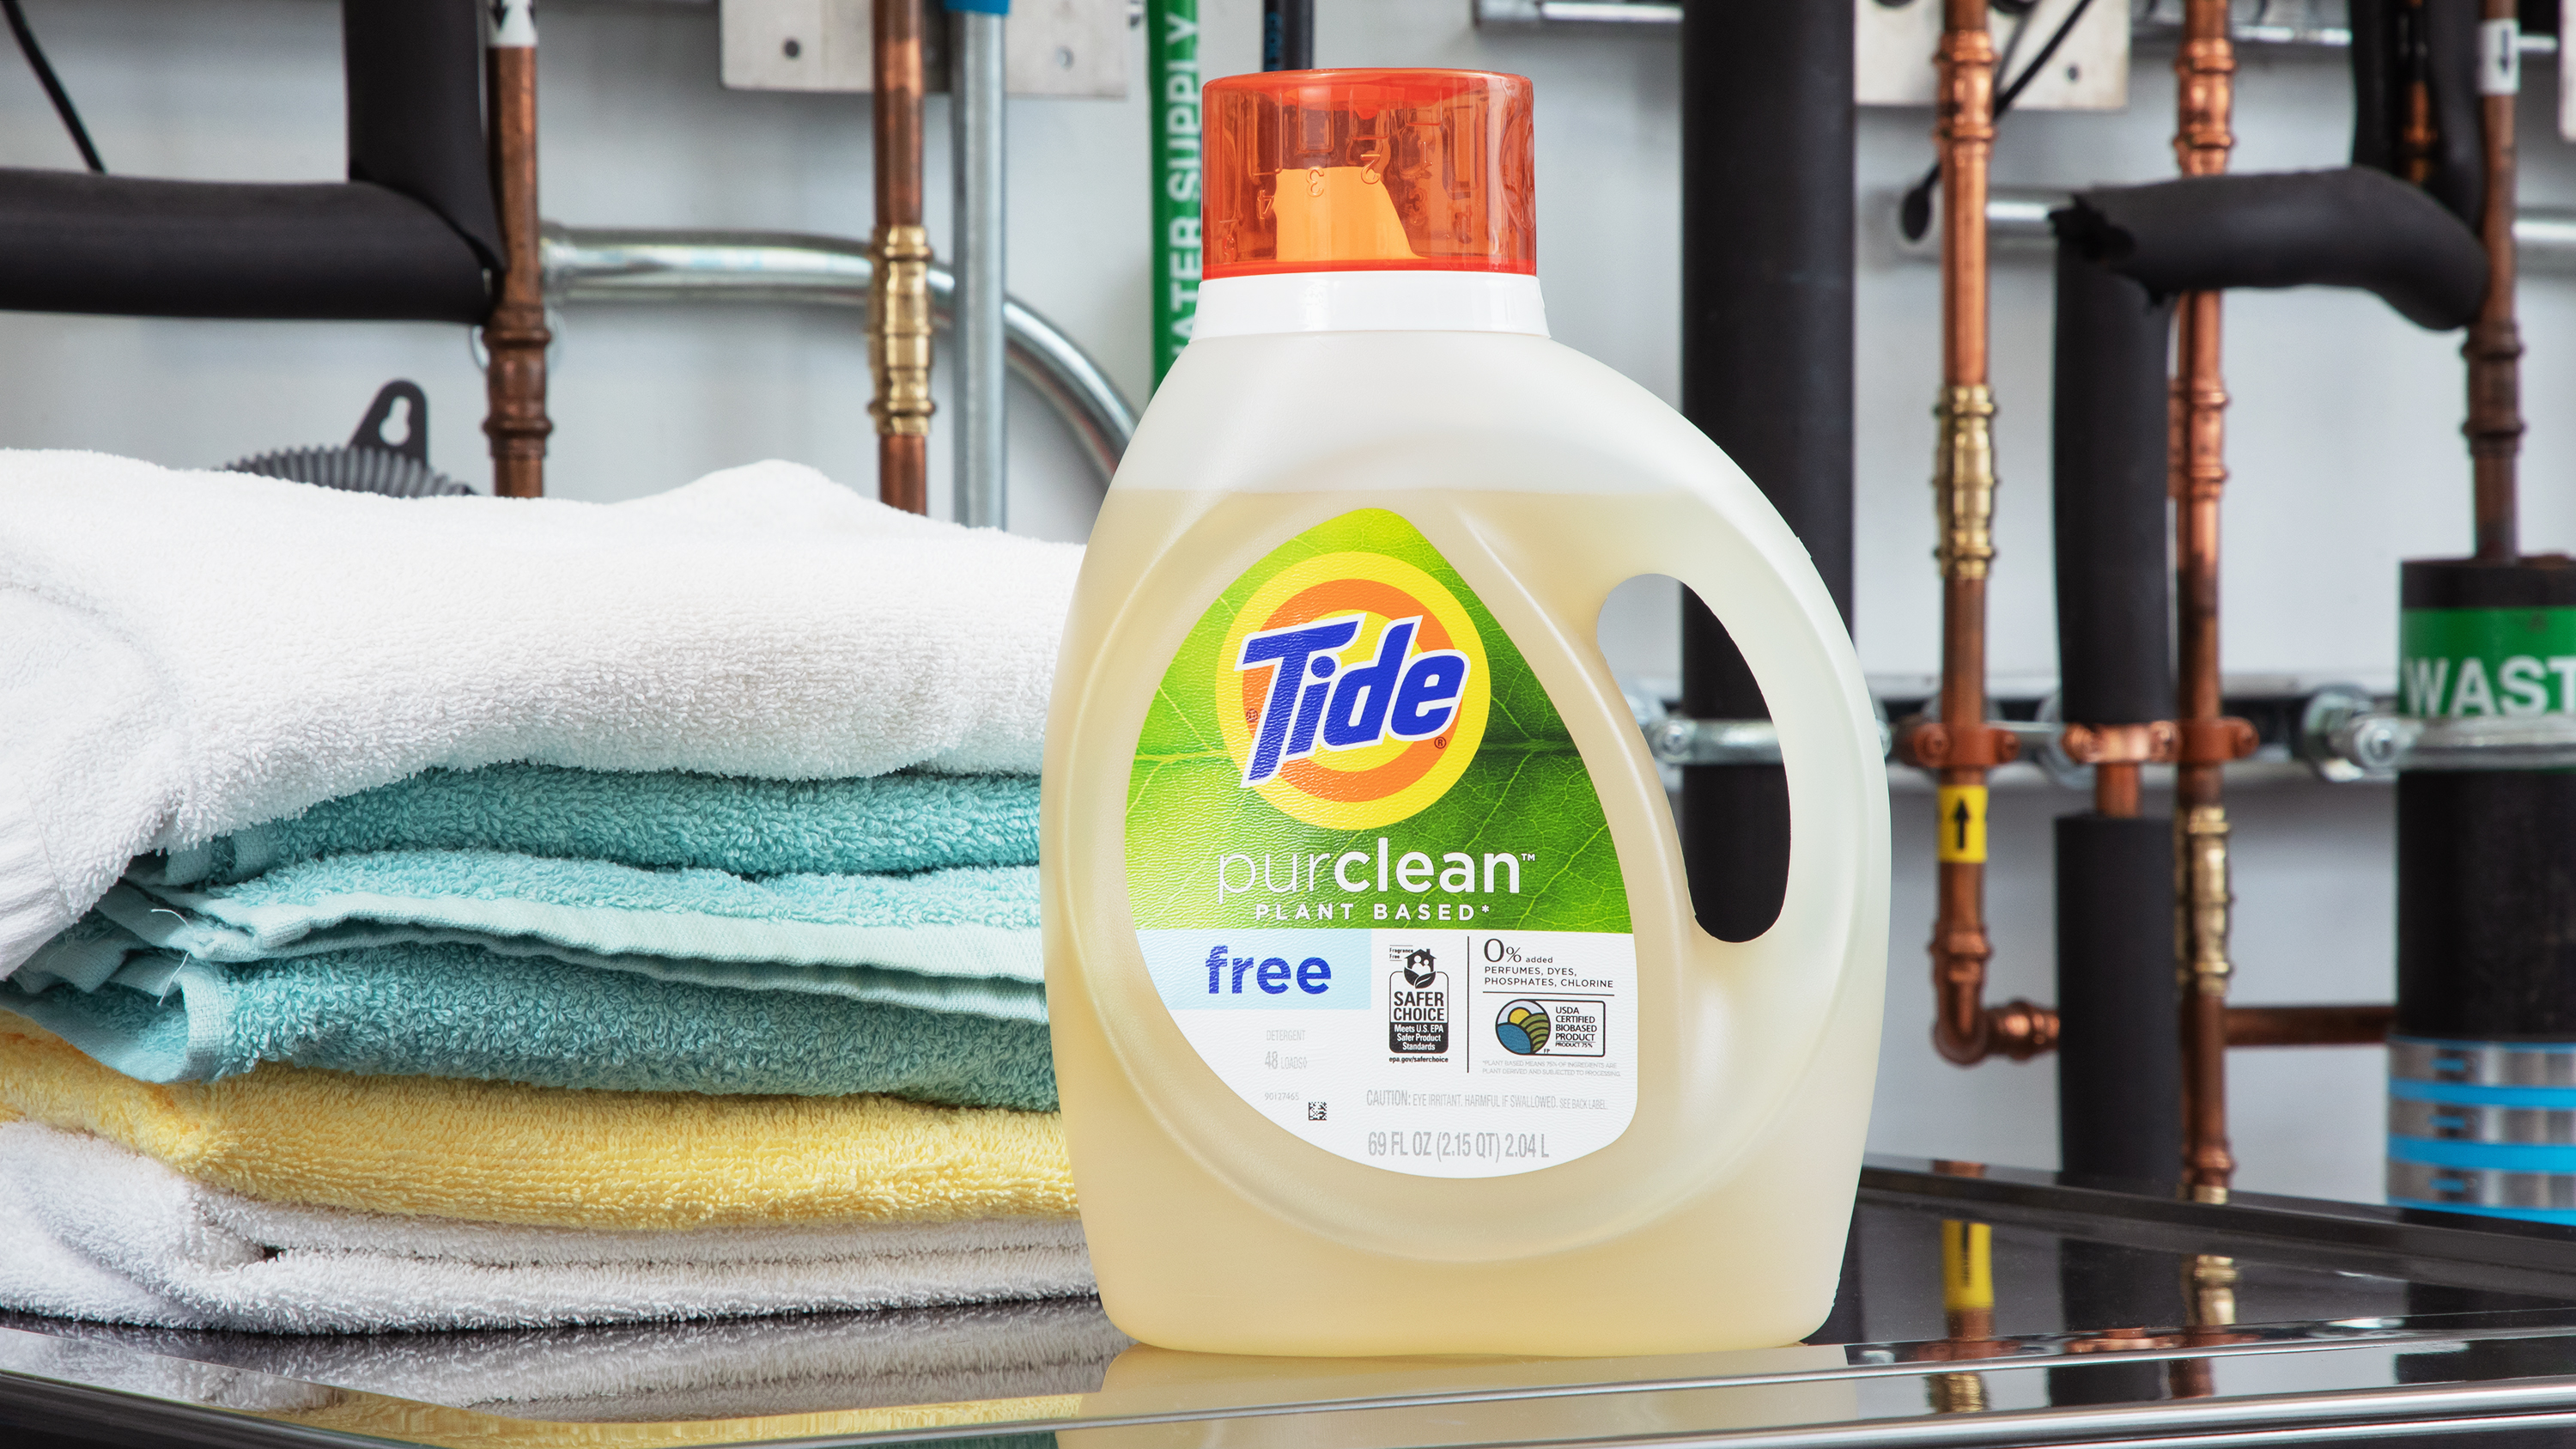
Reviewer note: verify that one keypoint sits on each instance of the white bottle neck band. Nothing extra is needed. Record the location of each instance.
(1381, 301)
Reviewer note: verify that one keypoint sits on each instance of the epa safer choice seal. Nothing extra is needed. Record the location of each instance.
(1371, 880)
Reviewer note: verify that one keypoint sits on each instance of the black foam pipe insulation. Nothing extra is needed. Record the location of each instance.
(412, 236)
(2118, 1075)
(135, 246)
(2351, 227)
(1767, 233)
(2114, 581)
(2119, 1059)
(414, 78)
(2391, 42)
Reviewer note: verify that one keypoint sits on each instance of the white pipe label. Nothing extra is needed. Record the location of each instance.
(2499, 58)
(514, 24)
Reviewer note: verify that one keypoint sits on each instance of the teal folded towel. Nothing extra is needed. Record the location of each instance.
(971, 921)
(458, 1011)
(96, 948)
(899, 822)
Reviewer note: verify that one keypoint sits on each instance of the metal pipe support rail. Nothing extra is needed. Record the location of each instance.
(2345, 734)
(2161, 23)
(592, 264)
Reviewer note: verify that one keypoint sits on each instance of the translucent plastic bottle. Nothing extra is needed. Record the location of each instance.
(1381, 1017)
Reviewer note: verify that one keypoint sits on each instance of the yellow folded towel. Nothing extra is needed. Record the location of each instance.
(499, 1152)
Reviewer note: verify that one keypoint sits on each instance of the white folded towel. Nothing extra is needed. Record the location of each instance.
(91, 1230)
(185, 654)
(632, 1373)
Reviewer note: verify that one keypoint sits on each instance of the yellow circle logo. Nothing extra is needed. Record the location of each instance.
(1352, 690)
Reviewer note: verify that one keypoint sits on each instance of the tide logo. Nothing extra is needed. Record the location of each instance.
(1352, 690)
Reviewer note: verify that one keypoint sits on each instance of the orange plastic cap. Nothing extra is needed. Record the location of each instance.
(1363, 170)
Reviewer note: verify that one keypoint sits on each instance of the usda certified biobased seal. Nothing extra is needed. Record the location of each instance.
(1370, 874)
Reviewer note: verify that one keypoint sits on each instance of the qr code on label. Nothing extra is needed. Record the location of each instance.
(1314, 1111)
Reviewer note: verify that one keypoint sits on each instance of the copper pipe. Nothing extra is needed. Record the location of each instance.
(2494, 346)
(899, 288)
(515, 334)
(2203, 69)
(2115, 791)
(2417, 136)
(2355, 1024)
(1961, 745)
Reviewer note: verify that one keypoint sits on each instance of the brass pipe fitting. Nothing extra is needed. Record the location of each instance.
(1963, 481)
(899, 290)
(899, 330)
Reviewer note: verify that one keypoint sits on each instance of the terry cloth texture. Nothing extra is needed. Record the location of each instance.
(548, 1157)
(457, 1011)
(98, 1232)
(97, 950)
(972, 921)
(303, 644)
(887, 823)
(649, 1373)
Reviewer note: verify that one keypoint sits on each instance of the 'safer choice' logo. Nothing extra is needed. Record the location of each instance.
(1363, 690)
(1417, 1003)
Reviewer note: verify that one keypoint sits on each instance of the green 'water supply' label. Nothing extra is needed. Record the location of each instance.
(1369, 871)
(2463, 663)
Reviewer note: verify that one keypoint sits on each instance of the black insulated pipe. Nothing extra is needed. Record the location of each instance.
(2394, 46)
(415, 109)
(2119, 1080)
(1287, 34)
(2119, 1062)
(2114, 579)
(1767, 233)
(2352, 227)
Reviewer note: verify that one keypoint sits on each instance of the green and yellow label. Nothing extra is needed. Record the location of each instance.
(1372, 880)
(1348, 728)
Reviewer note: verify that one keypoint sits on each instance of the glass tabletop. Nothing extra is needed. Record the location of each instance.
(1979, 1307)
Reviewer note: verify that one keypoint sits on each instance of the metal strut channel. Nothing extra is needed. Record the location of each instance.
(592, 264)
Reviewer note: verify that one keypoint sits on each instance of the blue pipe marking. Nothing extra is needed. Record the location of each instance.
(2484, 1156)
(2463, 1094)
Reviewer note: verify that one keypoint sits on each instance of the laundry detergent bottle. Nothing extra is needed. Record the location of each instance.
(1381, 1017)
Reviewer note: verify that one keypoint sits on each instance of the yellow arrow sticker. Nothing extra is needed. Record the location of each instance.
(1963, 823)
(1967, 1264)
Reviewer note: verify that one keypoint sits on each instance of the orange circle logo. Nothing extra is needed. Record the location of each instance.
(1352, 690)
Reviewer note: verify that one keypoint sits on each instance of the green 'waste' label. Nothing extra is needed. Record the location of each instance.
(2463, 663)
(1370, 873)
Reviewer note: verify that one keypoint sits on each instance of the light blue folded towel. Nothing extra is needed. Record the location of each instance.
(971, 921)
(898, 822)
(458, 1011)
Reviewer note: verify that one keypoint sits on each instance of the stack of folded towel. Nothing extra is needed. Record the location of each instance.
(436, 913)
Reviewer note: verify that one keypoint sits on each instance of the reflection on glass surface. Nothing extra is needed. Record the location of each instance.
(2027, 1306)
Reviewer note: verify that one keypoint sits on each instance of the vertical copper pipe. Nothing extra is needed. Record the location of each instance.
(899, 314)
(2416, 136)
(515, 334)
(1963, 483)
(2115, 790)
(2494, 346)
(2204, 92)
